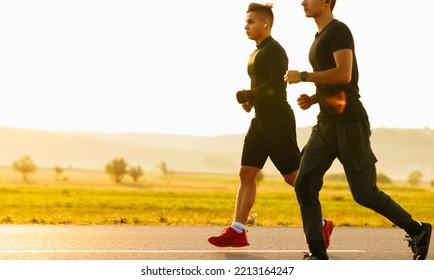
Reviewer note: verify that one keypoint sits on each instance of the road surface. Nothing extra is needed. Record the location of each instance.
(131, 242)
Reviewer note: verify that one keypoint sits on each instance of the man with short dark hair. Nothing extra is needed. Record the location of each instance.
(272, 131)
(342, 132)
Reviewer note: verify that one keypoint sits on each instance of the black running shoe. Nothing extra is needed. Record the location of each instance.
(420, 243)
(315, 257)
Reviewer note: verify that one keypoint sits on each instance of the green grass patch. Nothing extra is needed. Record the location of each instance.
(189, 199)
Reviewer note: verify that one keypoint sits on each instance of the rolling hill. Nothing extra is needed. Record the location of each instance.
(399, 151)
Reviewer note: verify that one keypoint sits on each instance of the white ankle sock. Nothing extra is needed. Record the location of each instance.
(238, 227)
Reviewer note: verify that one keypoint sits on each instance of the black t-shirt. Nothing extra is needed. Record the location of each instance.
(334, 37)
(266, 68)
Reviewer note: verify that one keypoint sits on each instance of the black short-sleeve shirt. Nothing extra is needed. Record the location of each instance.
(334, 37)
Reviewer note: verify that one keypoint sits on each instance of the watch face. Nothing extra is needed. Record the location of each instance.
(303, 76)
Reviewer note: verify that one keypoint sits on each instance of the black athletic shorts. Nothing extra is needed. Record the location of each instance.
(273, 137)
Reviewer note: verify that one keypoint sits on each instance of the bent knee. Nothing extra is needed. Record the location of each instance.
(290, 178)
(290, 181)
(248, 174)
(371, 198)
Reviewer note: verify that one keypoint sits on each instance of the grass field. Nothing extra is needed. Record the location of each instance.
(89, 197)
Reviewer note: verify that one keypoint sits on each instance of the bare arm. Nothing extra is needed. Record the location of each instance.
(341, 74)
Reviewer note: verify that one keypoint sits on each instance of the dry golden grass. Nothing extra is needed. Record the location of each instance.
(90, 197)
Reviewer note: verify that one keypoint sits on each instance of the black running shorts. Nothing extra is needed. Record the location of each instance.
(273, 137)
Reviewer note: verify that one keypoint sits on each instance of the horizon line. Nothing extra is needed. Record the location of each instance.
(86, 131)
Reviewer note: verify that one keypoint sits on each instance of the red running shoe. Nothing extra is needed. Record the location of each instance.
(327, 230)
(229, 238)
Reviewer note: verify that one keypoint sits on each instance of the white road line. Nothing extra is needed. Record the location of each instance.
(169, 251)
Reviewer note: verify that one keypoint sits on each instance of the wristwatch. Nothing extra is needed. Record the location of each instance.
(303, 76)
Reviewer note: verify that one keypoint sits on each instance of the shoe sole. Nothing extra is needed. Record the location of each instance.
(428, 229)
(228, 245)
(235, 246)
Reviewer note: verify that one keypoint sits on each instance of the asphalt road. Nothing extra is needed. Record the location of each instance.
(129, 242)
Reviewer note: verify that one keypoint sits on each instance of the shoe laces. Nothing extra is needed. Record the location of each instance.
(413, 241)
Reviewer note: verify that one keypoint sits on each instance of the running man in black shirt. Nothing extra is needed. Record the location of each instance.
(342, 132)
(272, 131)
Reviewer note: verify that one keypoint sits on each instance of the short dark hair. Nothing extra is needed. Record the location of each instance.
(332, 4)
(264, 9)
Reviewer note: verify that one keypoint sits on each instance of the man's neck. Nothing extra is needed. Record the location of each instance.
(323, 20)
(260, 40)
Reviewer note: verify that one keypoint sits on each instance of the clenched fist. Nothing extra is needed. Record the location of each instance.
(242, 96)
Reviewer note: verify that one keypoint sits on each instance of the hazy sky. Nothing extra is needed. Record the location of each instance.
(174, 66)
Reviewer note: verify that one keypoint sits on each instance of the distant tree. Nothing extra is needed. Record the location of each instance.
(24, 165)
(383, 178)
(414, 178)
(432, 183)
(135, 173)
(163, 168)
(117, 168)
(58, 171)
